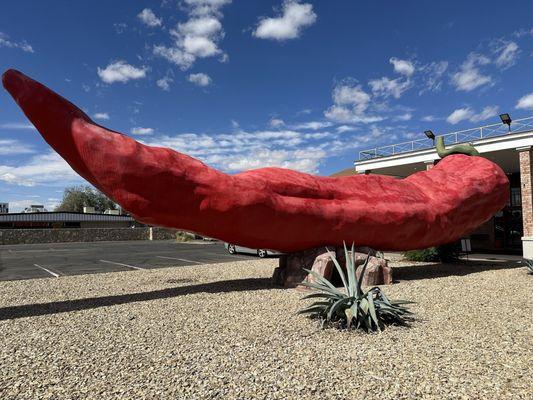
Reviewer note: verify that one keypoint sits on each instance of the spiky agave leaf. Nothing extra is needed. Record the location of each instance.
(323, 288)
(340, 271)
(337, 307)
(350, 272)
(370, 310)
(324, 282)
(529, 266)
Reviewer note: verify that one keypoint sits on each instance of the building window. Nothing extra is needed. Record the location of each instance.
(516, 197)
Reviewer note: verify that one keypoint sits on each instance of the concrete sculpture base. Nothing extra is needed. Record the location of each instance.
(290, 271)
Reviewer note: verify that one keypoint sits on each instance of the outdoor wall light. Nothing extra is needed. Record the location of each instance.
(430, 135)
(506, 119)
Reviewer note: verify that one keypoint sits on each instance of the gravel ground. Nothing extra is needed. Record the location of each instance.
(221, 331)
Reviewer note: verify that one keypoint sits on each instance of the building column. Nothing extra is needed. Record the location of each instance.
(430, 164)
(526, 179)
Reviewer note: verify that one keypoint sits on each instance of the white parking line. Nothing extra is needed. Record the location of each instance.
(45, 250)
(231, 255)
(124, 265)
(68, 250)
(47, 270)
(180, 259)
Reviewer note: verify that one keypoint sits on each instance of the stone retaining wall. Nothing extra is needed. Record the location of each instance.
(162, 233)
(29, 236)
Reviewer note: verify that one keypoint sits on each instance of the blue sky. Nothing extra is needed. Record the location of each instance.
(250, 83)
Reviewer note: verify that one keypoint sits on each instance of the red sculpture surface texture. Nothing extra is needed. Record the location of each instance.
(272, 208)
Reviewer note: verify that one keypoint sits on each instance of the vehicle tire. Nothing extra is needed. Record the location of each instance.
(262, 253)
(231, 249)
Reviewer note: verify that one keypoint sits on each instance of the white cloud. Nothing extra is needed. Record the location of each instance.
(469, 76)
(206, 7)
(198, 37)
(200, 46)
(389, 87)
(102, 116)
(350, 103)
(349, 115)
(240, 149)
(164, 83)
(429, 118)
(432, 74)
(345, 128)
(341, 114)
(312, 125)
(148, 17)
(523, 32)
(199, 27)
(300, 160)
(17, 126)
(176, 56)
(289, 24)
(49, 169)
(486, 113)
(120, 71)
(403, 67)
(6, 42)
(352, 95)
(467, 114)
(506, 52)
(461, 114)
(276, 123)
(120, 27)
(142, 131)
(10, 147)
(404, 117)
(200, 79)
(525, 102)
(376, 133)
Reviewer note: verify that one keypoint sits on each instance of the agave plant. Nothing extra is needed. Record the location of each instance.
(351, 307)
(529, 266)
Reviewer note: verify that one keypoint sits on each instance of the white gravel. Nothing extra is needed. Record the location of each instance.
(222, 332)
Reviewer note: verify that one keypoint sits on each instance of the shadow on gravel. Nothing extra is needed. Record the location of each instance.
(32, 310)
(461, 268)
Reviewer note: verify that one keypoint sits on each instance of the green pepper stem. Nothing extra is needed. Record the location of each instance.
(466, 149)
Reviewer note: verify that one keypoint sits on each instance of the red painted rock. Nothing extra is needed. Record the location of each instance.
(268, 208)
(323, 265)
(291, 273)
(377, 272)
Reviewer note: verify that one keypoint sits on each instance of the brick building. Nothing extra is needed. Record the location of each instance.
(511, 229)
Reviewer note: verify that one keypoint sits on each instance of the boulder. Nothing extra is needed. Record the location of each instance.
(290, 271)
(377, 272)
(323, 265)
(291, 267)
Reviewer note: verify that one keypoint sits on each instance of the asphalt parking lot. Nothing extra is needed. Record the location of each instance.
(53, 260)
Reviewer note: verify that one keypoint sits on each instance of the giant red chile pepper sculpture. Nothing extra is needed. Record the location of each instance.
(270, 208)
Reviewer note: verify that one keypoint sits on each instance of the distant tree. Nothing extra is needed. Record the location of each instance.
(77, 197)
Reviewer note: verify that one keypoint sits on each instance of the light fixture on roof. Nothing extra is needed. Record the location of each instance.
(430, 134)
(506, 119)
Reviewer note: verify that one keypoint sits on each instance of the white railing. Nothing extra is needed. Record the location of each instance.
(468, 135)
